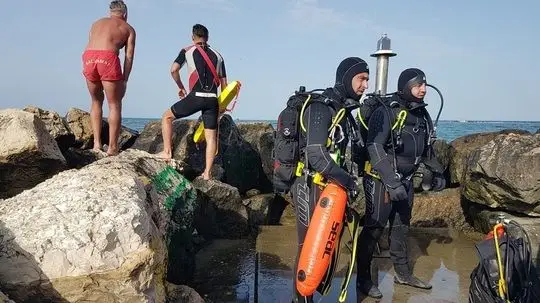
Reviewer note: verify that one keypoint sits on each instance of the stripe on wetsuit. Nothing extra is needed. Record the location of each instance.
(199, 74)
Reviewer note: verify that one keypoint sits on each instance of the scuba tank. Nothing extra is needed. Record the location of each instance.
(322, 236)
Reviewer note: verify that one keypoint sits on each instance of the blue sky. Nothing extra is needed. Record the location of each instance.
(481, 54)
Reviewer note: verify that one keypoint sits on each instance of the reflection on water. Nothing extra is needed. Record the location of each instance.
(226, 271)
(245, 271)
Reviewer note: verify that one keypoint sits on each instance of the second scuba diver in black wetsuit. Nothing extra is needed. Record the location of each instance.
(352, 77)
(395, 155)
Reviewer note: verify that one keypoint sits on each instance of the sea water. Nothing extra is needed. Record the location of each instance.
(447, 130)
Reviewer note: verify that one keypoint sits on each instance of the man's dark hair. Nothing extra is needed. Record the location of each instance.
(200, 31)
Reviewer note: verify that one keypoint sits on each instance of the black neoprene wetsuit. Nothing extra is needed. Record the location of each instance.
(379, 208)
(317, 120)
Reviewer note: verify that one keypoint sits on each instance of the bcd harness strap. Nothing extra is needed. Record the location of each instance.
(401, 117)
(351, 217)
(502, 284)
(331, 142)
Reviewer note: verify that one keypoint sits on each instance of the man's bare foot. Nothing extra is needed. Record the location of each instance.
(206, 176)
(97, 147)
(112, 151)
(165, 155)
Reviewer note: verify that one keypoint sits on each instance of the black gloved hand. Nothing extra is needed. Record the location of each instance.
(397, 193)
(438, 183)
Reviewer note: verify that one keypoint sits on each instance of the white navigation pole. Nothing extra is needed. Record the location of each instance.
(383, 53)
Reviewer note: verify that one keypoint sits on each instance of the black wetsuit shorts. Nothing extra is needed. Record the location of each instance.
(195, 102)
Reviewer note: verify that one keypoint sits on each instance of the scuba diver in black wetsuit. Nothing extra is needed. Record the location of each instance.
(326, 138)
(397, 140)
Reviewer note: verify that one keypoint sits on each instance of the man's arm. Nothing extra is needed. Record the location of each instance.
(223, 83)
(430, 160)
(379, 132)
(176, 66)
(317, 120)
(222, 74)
(130, 53)
(428, 156)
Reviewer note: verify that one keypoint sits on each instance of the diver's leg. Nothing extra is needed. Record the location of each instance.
(376, 216)
(400, 221)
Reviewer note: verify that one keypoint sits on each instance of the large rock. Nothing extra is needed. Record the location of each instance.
(182, 294)
(463, 147)
(240, 160)
(79, 123)
(221, 213)
(505, 173)
(257, 207)
(98, 234)
(28, 153)
(261, 138)
(443, 152)
(57, 127)
(440, 209)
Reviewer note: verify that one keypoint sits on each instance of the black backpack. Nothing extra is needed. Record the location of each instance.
(288, 140)
(521, 279)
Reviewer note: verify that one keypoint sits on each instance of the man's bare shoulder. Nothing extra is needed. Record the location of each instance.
(129, 28)
(101, 20)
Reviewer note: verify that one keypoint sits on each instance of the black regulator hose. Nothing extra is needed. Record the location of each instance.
(442, 104)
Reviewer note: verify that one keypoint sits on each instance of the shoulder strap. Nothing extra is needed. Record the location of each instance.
(209, 63)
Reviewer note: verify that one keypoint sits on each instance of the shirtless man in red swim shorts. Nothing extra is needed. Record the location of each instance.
(103, 72)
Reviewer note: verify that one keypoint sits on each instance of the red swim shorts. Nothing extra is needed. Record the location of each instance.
(101, 65)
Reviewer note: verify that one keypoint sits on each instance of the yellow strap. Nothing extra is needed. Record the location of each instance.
(368, 170)
(354, 231)
(401, 117)
(335, 121)
(502, 283)
(302, 113)
(299, 168)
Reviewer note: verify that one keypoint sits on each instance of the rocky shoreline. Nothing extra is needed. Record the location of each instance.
(76, 226)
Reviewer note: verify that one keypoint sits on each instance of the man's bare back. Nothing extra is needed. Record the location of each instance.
(109, 33)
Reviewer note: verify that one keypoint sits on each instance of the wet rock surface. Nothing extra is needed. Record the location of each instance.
(440, 209)
(221, 212)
